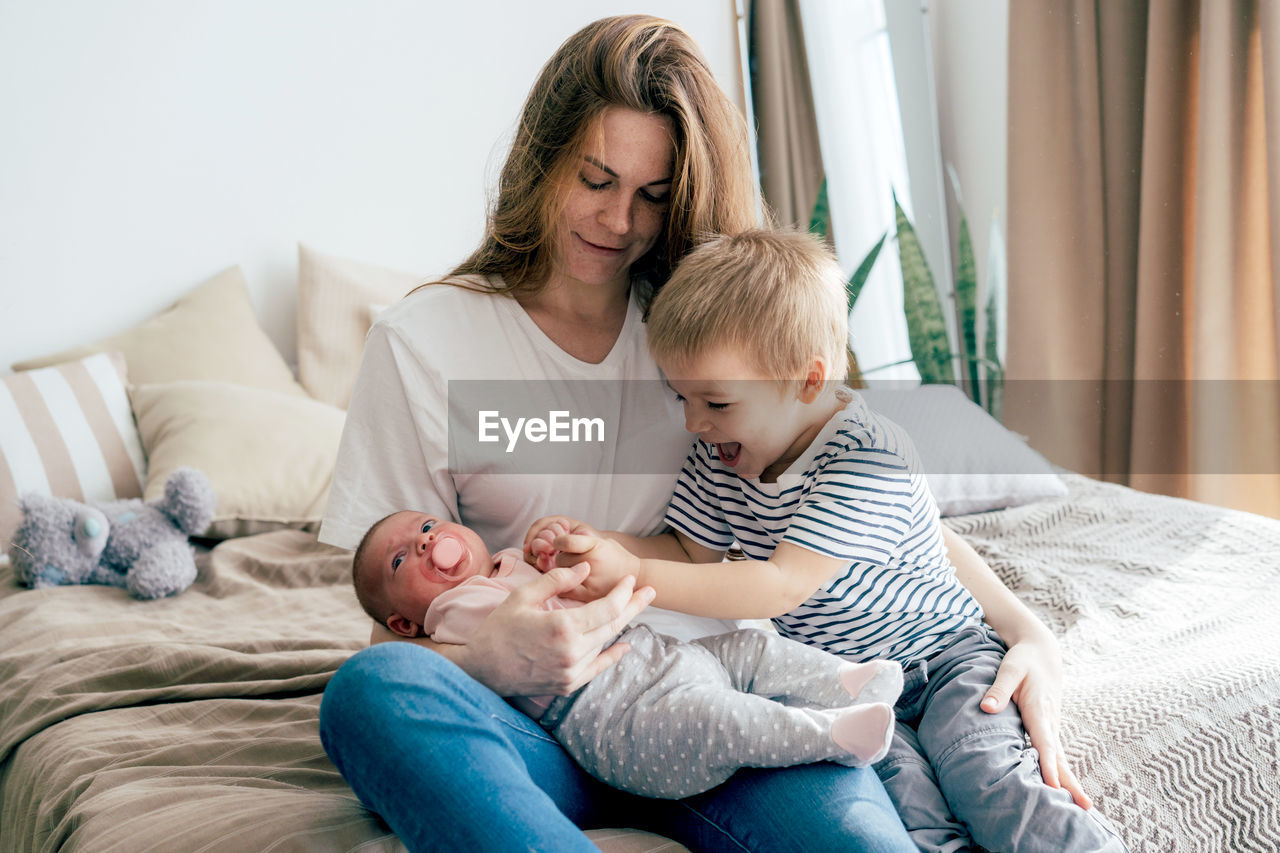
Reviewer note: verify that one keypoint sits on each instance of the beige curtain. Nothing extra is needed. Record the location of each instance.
(1144, 242)
(787, 131)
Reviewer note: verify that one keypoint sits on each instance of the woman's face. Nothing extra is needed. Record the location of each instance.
(616, 206)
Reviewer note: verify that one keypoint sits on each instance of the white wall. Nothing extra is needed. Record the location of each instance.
(971, 70)
(145, 145)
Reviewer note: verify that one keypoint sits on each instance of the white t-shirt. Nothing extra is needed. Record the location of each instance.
(443, 367)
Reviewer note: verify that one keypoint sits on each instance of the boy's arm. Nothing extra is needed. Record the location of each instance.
(742, 589)
(1031, 672)
(672, 545)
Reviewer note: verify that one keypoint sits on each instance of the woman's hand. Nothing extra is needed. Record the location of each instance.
(1031, 675)
(522, 649)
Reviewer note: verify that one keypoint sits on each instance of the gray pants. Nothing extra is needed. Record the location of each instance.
(960, 776)
(673, 719)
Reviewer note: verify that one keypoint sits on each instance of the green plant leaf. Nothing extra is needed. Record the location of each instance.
(966, 285)
(966, 303)
(926, 328)
(994, 335)
(863, 272)
(820, 220)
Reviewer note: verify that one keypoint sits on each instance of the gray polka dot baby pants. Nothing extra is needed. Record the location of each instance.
(673, 719)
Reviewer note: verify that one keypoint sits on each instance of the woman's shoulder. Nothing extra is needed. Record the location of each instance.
(461, 289)
(446, 305)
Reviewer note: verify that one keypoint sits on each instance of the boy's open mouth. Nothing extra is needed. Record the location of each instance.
(729, 452)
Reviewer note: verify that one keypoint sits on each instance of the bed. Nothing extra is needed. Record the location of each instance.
(190, 722)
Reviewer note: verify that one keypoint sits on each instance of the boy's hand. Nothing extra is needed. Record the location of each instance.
(539, 550)
(1031, 676)
(609, 563)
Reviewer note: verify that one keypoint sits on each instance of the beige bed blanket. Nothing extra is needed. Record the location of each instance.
(190, 723)
(185, 723)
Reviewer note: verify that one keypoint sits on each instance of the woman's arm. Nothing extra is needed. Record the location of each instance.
(1031, 672)
(522, 649)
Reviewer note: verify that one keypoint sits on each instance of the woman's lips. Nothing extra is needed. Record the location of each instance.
(606, 251)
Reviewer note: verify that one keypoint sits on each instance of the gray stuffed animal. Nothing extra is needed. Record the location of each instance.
(140, 546)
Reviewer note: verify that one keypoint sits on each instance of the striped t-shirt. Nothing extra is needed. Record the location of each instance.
(857, 494)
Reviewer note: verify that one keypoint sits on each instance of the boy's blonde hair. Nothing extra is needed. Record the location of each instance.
(777, 296)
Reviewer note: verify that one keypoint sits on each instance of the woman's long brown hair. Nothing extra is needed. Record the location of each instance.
(638, 62)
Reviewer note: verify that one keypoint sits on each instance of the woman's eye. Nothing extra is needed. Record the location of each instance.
(592, 186)
(654, 199)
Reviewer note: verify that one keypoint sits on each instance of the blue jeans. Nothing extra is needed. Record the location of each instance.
(451, 766)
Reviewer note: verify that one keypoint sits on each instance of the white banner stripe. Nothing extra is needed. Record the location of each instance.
(18, 448)
(91, 468)
(117, 399)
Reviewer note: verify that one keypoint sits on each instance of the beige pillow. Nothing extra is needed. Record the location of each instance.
(67, 431)
(211, 333)
(269, 455)
(334, 295)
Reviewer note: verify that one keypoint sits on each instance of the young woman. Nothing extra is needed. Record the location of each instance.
(627, 154)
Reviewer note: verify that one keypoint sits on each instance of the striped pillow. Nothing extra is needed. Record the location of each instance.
(68, 430)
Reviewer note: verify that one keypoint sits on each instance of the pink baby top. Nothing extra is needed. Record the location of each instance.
(456, 613)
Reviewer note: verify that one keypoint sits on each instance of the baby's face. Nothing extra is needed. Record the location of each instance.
(419, 556)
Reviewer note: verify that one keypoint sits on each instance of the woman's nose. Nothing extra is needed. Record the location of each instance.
(616, 215)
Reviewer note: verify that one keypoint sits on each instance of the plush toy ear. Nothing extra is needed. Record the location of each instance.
(189, 500)
(403, 626)
(34, 502)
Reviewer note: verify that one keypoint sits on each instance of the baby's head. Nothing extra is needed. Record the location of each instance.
(752, 332)
(407, 559)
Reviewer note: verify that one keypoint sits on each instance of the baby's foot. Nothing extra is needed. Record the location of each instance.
(873, 681)
(864, 731)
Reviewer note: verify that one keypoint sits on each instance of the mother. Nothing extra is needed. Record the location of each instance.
(627, 153)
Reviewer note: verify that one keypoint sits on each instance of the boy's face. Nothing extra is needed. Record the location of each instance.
(758, 425)
(417, 556)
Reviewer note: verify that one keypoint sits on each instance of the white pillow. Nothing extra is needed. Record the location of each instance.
(972, 462)
(335, 299)
(67, 431)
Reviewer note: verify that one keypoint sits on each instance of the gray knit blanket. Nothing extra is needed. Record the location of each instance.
(1168, 614)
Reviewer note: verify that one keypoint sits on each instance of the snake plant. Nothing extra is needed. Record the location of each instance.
(932, 350)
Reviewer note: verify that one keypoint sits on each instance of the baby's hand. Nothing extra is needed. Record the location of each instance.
(539, 548)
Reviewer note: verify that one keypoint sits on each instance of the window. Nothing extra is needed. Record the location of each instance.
(856, 80)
